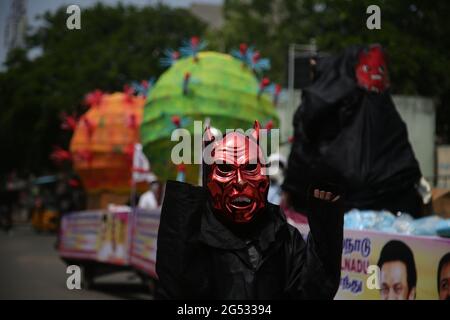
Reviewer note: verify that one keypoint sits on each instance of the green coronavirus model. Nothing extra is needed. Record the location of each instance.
(204, 86)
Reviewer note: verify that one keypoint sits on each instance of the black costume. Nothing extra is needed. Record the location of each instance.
(201, 257)
(347, 131)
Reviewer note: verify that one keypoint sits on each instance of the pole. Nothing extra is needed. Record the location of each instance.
(291, 73)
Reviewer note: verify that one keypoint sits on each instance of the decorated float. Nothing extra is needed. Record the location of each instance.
(226, 91)
(103, 143)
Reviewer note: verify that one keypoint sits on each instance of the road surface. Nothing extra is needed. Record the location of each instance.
(31, 269)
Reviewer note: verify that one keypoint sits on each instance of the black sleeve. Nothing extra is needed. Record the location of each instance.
(326, 222)
(180, 216)
(315, 266)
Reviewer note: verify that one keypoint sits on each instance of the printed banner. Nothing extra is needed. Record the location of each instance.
(80, 233)
(96, 235)
(375, 265)
(113, 241)
(144, 237)
(403, 267)
(378, 265)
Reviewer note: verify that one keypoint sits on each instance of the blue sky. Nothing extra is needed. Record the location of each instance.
(37, 7)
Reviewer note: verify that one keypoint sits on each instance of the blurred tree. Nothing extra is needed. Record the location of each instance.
(114, 46)
(413, 32)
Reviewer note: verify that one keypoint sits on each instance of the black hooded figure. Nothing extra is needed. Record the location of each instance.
(226, 241)
(348, 132)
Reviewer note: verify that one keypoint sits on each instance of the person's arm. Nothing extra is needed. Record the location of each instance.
(314, 271)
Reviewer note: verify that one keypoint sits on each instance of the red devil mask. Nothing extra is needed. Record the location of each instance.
(371, 70)
(236, 178)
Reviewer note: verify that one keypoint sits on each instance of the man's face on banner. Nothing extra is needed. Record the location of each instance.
(444, 282)
(394, 282)
(237, 182)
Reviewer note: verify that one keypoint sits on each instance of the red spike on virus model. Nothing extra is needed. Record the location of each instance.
(176, 121)
(263, 85)
(69, 123)
(243, 48)
(94, 98)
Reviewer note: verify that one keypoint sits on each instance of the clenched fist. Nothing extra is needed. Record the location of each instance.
(325, 195)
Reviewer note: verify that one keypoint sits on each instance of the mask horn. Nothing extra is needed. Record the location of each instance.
(255, 133)
(208, 137)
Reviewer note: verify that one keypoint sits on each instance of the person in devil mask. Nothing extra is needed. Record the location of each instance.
(226, 241)
(348, 131)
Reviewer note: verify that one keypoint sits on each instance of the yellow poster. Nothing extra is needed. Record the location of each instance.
(378, 265)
